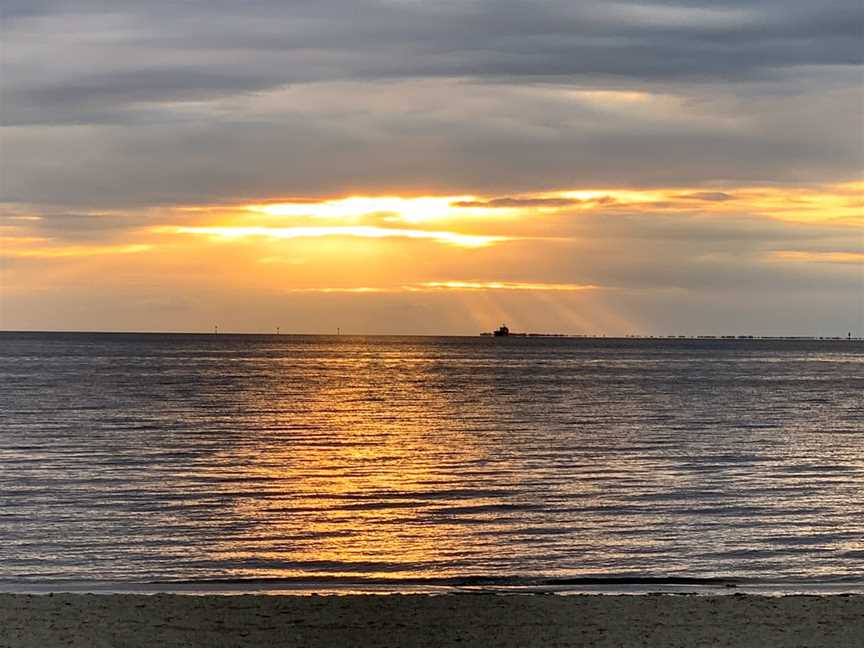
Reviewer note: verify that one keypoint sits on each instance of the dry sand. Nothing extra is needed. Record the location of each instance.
(166, 620)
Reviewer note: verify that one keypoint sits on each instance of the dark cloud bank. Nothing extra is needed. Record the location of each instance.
(129, 103)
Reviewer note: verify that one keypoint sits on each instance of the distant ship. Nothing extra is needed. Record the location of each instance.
(503, 332)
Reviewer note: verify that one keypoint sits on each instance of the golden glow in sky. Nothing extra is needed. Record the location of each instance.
(570, 255)
(406, 210)
(804, 204)
(36, 248)
(503, 285)
(407, 172)
(237, 232)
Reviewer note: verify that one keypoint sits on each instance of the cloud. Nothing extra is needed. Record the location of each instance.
(821, 256)
(500, 285)
(132, 104)
(454, 285)
(601, 270)
(359, 231)
(711, 196)
(83, 62)
(508, 202)
(36, 249)
(429, 137)
(76, 226)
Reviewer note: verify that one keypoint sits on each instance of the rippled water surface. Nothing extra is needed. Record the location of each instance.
(178, 457)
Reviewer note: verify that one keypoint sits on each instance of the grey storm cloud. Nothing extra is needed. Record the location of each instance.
(143, 103)
(125, 53)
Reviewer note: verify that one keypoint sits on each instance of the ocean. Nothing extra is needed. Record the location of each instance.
(172, 460)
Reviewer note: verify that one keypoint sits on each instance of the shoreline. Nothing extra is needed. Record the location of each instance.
(571, 586)
(303, 590)
(421, 620)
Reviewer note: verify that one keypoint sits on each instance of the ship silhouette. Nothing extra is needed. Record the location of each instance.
(503, 331)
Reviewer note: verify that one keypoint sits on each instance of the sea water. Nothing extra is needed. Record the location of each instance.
(133, 458)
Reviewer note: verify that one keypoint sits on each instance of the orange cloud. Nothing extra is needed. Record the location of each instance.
(409, 210)
(284, 233)
(500, 285)
(838, 203)
(436, 286)
(796, 256)
(71, 250)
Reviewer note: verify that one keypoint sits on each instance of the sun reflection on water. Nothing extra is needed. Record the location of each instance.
(353, 493)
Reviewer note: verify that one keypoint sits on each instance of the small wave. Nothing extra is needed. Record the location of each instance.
(469, 581)
(484, 508)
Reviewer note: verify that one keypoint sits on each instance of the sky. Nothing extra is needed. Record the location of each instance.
(419, 167)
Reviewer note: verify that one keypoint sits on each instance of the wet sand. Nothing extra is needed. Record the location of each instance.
(167, 620)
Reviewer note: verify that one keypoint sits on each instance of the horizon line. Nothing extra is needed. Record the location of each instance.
(591, 336)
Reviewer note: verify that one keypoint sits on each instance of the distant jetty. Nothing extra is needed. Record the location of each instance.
(504, 331)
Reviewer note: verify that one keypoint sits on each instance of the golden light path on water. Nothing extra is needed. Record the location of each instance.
(355, 494)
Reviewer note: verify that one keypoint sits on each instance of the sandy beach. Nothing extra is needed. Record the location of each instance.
(421, 620)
